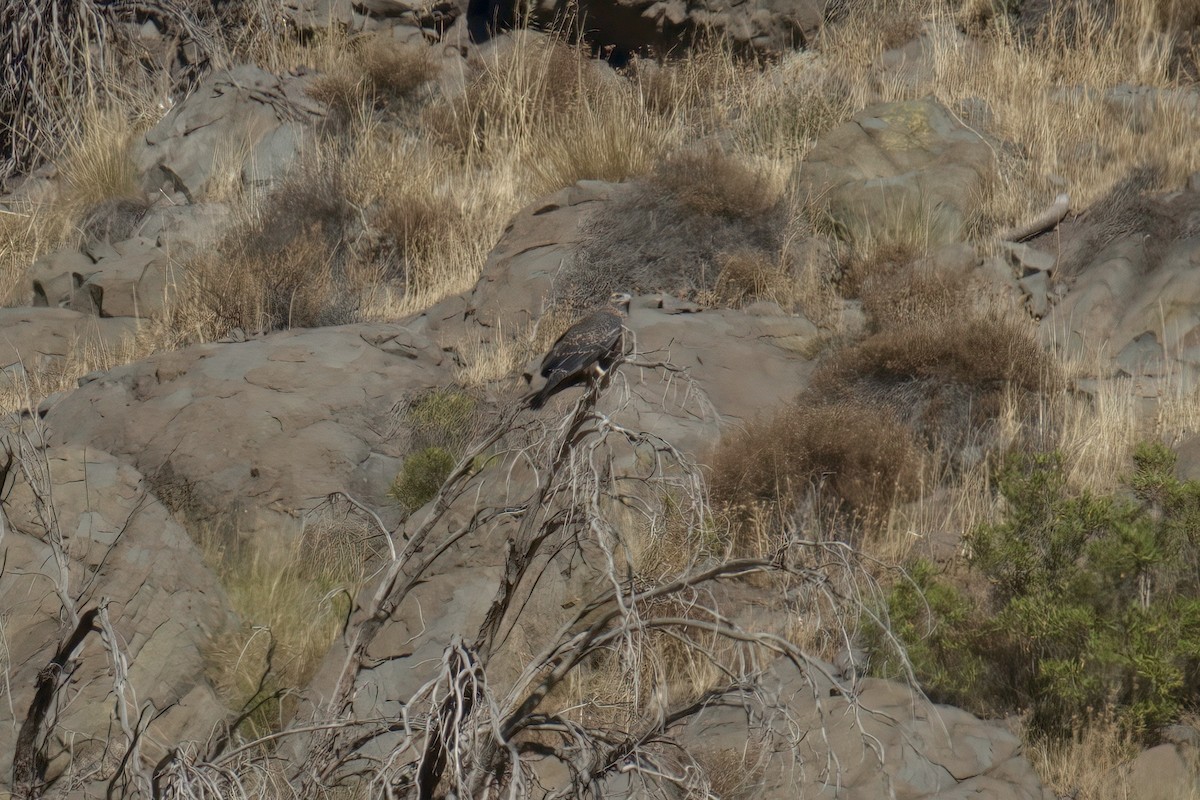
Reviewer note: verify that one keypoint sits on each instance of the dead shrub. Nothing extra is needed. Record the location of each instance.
(286, 266)
(903, 293)
(393, 73)
(858, 456)
(532, 82)
(979, 350)
(342, 91)
(114, 220)
(378, 72)
(946, 377)
(713, 183)
(673, 230)
(409, 225)
(749, 275)
(883, 258)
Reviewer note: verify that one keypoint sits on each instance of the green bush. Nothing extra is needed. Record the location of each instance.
(421, 477)
(442, 418)
(939, 628)
(1093, 602)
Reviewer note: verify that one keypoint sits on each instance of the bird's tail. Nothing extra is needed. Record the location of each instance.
(536, 400)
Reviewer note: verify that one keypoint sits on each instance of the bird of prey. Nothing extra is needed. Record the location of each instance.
(586, 352)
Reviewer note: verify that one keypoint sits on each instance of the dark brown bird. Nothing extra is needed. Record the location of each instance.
(586, 352)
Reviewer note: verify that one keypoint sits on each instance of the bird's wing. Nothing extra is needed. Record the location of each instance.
(583, 344)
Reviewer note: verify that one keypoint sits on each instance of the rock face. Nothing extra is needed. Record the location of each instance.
(883, 741)
(121, 546)
(36, 338)
(267, 426)
(1132, 303)
(243, 121)
(896, 168)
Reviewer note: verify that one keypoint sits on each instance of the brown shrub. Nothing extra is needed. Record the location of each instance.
(393, 73)
(287, 265)
(409, 225)
(883, 260)
(114, 219)
(675, 231)
(378, 71)
(713, 183)
(902, 293)
(530, 84)
(982, 350)
(946, 377)
(862, 454)
(749, 274)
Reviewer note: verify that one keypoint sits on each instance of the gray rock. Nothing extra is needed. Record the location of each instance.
(179, 229)
(132, 278)
(896, 168)
(243, 118)
(1036, 287)
(122, 546)
(40, 338)
(1160, 773)
(264, 428)
(885, 741)
(1029, 259)
(1134, 292)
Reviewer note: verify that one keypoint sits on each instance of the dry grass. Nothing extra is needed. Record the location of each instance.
(291, 592)
(858, 457)
(1093, 765)
(94, 166)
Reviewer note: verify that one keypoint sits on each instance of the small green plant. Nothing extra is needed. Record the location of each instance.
(422, 475)
(442, 418)
(943, 642)
(1092, 607)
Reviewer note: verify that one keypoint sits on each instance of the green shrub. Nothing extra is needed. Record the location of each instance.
(421, 477)
(443, 418)
(939, 627)
(1093, 603)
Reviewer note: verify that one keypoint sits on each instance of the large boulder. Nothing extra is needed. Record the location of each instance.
(263, 427)
(896, 168)
(242, 121)
(1132, 290)
(814, 738)
(122, 547)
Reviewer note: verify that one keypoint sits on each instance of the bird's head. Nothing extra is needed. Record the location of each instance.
(620, 301)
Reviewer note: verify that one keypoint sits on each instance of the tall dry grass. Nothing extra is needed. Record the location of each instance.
(291, 591)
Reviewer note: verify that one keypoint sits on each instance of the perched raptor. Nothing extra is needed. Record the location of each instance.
(586, 352)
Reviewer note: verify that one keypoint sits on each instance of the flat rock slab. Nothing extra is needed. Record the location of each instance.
(896, 168)
(121, 545)
(39, 338)
(263, 427)
(800, 740)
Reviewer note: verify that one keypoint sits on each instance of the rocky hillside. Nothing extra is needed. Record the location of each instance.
(894, 490)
